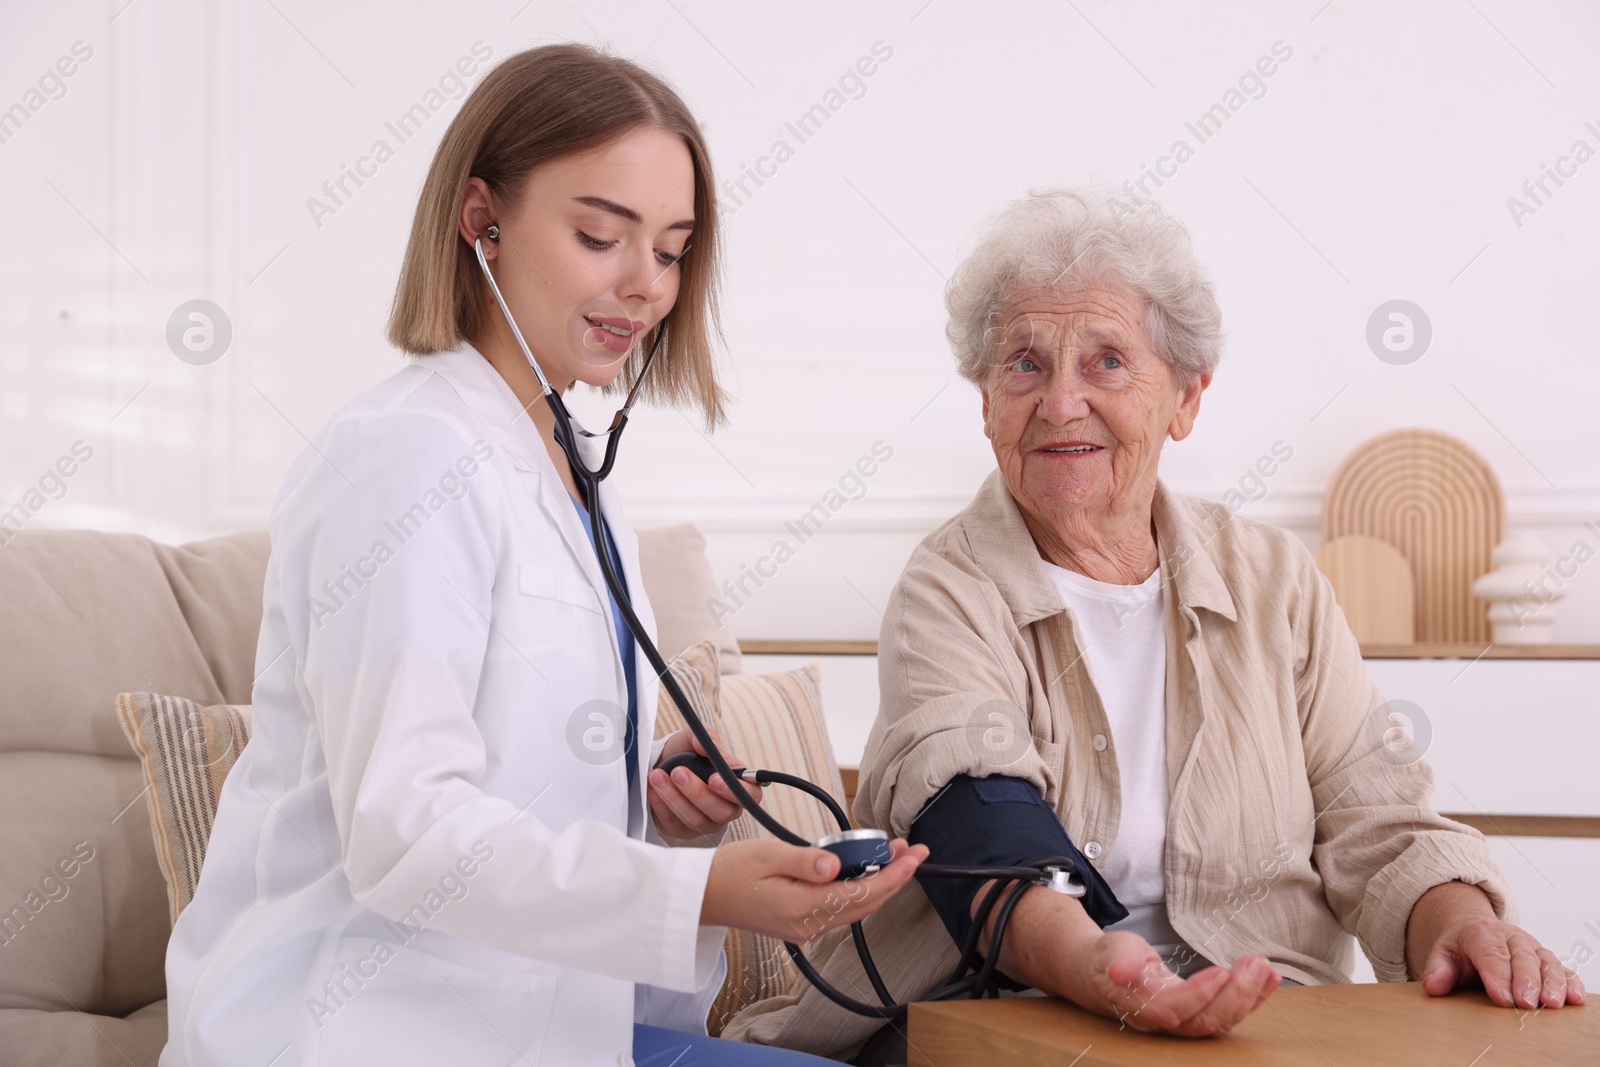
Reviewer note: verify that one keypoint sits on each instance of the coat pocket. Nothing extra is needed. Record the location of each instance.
(552, 584)
(397, 1005)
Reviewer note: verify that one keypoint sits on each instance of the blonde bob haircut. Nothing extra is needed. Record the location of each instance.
(537, 106)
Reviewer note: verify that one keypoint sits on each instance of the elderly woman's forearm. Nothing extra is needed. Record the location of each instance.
(1046, 936)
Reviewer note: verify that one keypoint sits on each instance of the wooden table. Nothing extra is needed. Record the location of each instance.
(1378, 1025)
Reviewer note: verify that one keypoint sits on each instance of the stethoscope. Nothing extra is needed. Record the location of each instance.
(860, 851)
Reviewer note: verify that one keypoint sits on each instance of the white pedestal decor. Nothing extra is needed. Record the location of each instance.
(1521, 610)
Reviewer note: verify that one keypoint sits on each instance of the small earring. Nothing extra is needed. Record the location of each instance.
(493, 231)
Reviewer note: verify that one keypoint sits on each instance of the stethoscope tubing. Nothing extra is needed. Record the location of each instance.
(1020, 878)
(590, 481)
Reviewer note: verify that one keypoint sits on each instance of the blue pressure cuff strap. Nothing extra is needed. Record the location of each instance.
(997, 822)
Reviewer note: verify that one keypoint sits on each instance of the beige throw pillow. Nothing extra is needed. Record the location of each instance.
(683, 594)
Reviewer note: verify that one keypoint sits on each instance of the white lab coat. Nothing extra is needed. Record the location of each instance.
(425, 854)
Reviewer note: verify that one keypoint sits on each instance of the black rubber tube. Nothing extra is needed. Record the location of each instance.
(1023, 876)
(991, 961)
(591, 491)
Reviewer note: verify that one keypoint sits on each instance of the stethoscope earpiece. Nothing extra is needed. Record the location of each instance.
(493, 231)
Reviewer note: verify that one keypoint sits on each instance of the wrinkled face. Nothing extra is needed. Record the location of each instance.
(588, 257)
(1077, 405)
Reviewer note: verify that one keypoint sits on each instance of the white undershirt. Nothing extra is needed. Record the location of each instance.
(1124, 645)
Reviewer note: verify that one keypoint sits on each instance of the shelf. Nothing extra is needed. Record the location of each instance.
(1473, 650)
(1427, 650)
(759, 646)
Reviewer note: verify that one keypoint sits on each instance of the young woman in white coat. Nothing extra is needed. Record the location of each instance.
(448, 841)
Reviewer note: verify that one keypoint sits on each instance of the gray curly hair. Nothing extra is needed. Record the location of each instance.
(1069, 239)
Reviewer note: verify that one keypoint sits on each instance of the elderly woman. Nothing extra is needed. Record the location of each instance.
(1084, 662)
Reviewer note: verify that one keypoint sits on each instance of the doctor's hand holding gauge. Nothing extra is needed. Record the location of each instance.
(412, 863)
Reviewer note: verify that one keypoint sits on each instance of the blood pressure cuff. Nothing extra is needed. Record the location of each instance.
(997, 822)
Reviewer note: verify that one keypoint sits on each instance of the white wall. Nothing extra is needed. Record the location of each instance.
(1376, 165)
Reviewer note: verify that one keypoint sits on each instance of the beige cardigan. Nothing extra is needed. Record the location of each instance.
(1291, 825)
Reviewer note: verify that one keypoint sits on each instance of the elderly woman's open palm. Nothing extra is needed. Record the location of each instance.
(1131, 978)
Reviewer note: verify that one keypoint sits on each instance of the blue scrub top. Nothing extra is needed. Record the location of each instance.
(625, 644)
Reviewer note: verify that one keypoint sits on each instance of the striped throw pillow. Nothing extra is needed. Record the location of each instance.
(186, 750)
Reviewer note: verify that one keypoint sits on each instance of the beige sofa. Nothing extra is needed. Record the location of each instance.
(86, 615)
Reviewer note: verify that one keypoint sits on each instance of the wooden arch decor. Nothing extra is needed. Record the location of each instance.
(1373, 584)
(1436, 500)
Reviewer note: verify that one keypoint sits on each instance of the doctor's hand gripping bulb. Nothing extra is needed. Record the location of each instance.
(860, 851)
